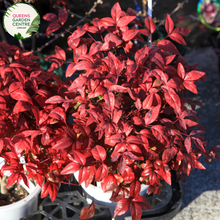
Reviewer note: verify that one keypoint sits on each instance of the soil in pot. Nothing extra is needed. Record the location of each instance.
(14, 194)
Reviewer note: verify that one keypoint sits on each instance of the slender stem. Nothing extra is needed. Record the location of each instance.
(179, 5)
(74, 26)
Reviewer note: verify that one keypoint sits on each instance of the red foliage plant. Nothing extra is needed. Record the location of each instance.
(130, 122)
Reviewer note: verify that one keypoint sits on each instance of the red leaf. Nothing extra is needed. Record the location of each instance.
(168, 46)
(181, 70)
(12, 179)
(187, 144)
(58, 113)
(88, 212)
(55, 99)
(109, 100)
(122, 206)
(50, 17)
(63, 15)
(107, 21)
(70, 168)
(19, 94)
(99, 153)
(135, 188)
(181, 30)
(175, 83)
(150, 25)
(142, 201)
(116, 12)
(152, 115)
(169, 59)
(136, 211)
(21, 106)
(63, 143)
(80, 158)
(95, 47)
(194, 75)
(168, 154)
(172, 99)
(109, 183)
(159, 133)
(53, 27)
(169, 25)
(125, 20)
(50, 188)
(70, 70)
(178, 38)
(190, 86)
(159, 74)
(101, 172)
(199, 144)
(129, 34)
(60, 53)
(76, 34)
(199, 165)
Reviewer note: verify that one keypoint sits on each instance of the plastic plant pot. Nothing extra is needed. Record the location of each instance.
(23, 207)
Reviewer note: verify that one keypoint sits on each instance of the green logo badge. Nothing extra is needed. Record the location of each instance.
(21, 20)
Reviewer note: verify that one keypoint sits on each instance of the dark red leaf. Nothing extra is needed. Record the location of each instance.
(168, 154)
(19, 94)
(177, 38)
(122, 206)
(168, 46)
(150, 25)
(80, 158)
(63, 143)
(95, 47)
(87, 212)
(136, 211)
(55, 99)
(52, 27)
(101, 172)
(50, 17)
(181, 30)
(135, 188)
(159, 133)
(70, 168)
(63, 15)
(142, 201)
(99, 153)
(169, 25)
(152, 115)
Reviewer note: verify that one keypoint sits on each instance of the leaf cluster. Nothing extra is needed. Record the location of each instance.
(131, 124)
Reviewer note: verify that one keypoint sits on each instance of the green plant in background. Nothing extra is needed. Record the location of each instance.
(34, 25)
(18, 36)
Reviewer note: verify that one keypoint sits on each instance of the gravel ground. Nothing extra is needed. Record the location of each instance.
(201, 193)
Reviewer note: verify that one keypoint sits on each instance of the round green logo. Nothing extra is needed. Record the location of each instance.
(21, 20)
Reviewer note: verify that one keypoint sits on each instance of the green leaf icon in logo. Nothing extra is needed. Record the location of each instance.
(18, 36)
(34, 25)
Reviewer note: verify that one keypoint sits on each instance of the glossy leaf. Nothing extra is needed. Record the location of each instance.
(166, 45)
(87, 212)
(169, 25)
(63, 15)
(52, 27)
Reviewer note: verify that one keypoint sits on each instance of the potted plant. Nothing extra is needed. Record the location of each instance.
(24, 87)
(131, 125)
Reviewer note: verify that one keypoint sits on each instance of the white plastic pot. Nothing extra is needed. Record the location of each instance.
(23, 207)
(102, 199)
